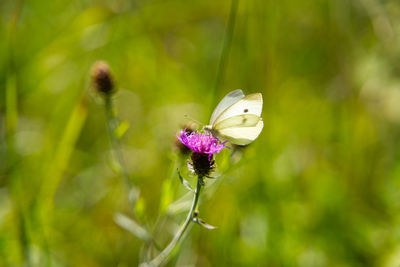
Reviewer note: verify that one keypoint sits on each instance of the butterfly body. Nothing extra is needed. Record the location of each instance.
(237, 118)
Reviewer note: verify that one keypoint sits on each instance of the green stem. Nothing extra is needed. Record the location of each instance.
(226, 48)
(112, 124)
(168, 249)
(11, 123)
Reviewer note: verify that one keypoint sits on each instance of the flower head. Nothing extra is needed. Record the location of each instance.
(204, 146)
(201, 143)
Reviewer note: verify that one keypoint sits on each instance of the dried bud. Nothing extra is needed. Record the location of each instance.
(183, 149)
(101, 78)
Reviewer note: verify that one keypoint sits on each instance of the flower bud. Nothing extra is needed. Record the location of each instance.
(102, 79)
(183, 149)
(201, 164)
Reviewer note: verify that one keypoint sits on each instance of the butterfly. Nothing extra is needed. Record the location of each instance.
(237, 118)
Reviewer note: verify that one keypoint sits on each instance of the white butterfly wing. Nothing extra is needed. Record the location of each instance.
(245, 120)
(225, 103)
(250, 104)
(242, 135)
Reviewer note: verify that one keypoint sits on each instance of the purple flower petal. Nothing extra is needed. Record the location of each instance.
(201, 142)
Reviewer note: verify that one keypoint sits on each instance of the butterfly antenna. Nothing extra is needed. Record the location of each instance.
(195, 121)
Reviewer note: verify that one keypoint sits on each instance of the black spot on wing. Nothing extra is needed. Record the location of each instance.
(245, 110)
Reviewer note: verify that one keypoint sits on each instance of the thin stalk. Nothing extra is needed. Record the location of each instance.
(11, 123)
(11, 94)
(226, 48)
(43, 210)
(189, 218)
(112, 124)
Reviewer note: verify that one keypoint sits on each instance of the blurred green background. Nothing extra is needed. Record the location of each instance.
(319, 187)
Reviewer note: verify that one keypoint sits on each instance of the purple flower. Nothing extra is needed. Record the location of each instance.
(204, 146)
(201, 143)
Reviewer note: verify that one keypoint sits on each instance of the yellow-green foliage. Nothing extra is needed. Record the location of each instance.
(319, 187)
